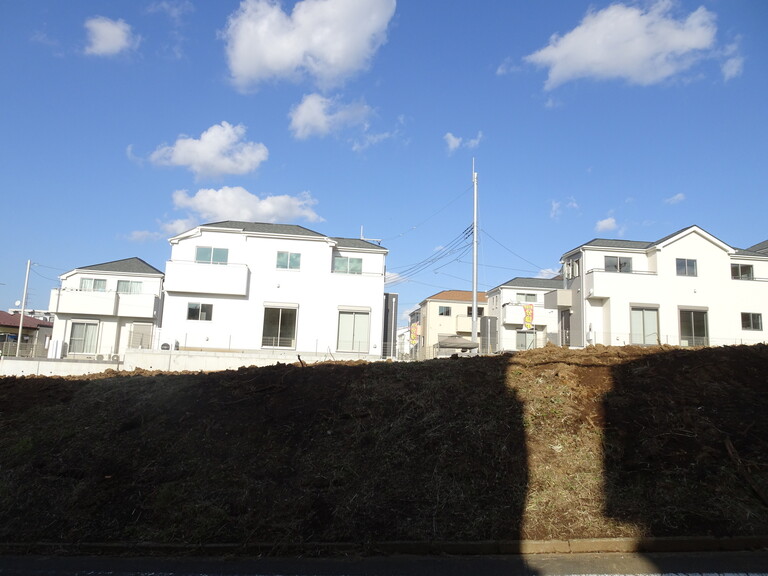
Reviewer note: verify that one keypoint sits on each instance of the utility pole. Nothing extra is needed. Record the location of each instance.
(474, 256)
(23, 304)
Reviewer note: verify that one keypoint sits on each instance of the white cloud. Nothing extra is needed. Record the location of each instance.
(676, 199)
(317, 115)
(236, 203)
(108, 37)
(606, 224)
(733, 65)
(455, 142)
(328, 40)
(556, 207)
(507, 67)
(641, 46)
(174, 9)
(220, 150)
(547, 273)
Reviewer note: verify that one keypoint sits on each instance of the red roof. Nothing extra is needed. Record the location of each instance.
(12, 320)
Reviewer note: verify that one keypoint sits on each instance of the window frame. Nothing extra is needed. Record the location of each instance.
(444, 311)
(623, 264)
(134, 286)
(204, 311)
(348, 265)
(211, 258)
(357, 344)
(740, 275)
(84, 339)
(751, 317)
(480, 310)
(528, 297)
(292, 260)
(89, 284)
(275, 340)
(685, 269)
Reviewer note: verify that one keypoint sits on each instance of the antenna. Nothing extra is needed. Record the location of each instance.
(362, 237)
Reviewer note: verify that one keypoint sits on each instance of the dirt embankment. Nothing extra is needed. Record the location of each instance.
(545, 444)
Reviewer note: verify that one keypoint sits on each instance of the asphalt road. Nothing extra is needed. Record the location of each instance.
(709, 564)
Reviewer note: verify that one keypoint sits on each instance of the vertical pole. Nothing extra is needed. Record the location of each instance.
(23, 305)
(474, 255)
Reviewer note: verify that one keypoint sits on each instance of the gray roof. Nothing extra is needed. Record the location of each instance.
(264, 228)
(762, 247)
(127, 265)
(635, 244)
(356, 243)
(550, 283)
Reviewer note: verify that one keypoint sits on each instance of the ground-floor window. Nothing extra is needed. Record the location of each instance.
(644, 326)
(526, 339)
(354, 331)
(141, 335)
(693, 328)
(279, 328)
(83, 337)
(751, 321)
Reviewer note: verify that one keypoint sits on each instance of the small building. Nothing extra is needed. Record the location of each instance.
(104, 309)
(442, 324)
(688, 289)
(517, 318)
(35, 335)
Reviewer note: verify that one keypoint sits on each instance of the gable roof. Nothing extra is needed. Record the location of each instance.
(263, 228)
(357, 243)
(761, 247)
(456, 295)
(522, 282)
(12, 321)
(127, 265)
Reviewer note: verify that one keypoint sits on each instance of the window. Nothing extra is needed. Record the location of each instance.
(345, 265)
(140, 335)
(525, 340)
(129, 286)
(443, 310)
(208, 255)
(522, 297)
(693, 328)
(354, 328)
(288, 260)
(686, 267)
(82, 338)
(575, 267)
(479, 311)
(751, 321)
(618, 264)
(644, 326)
(742, 272)
(279, 328)
(198, 311)
(93, 284)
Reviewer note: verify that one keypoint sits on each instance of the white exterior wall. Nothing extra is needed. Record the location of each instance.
(608, 297)
(511, 316)
(114, 313)
(241, 290)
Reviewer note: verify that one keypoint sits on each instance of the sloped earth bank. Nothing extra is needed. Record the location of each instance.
(544, 444)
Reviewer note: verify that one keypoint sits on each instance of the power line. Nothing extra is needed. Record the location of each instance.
(510, 251)
(428, 218)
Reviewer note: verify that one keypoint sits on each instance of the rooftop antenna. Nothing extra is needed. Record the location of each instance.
(362, 237)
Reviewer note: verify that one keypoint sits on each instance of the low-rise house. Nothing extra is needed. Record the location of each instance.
(517, 318)
(275, 290)
(104, 309)
(687, 289)
(35, 335)
(442, 324)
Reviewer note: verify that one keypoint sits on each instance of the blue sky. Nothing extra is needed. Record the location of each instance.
(125, 122)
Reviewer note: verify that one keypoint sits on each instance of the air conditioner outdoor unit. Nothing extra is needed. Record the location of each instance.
(115, 357)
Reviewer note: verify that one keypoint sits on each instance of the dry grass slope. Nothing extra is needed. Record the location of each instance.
(546, 444)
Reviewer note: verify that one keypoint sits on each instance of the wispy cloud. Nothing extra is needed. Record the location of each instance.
(326, 40)
(676, 199)
(641, 46)
(108, 37)
(317, 115)
(606, 224)
(556, 207)
(456, 142)
(221, 149)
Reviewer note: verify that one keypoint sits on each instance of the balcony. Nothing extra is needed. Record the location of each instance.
(514, 312)
(558, 299)
(137, 305)
(601, 284)
(221, 279)
(82, 302)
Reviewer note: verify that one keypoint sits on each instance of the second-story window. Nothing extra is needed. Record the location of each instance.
(210, 255)
(93, 284)
(742, 272)
(685, 267)
(443, 310)
(523, 297)
(129, 287)
(288, 260)
(479, 311)
(618, 264)
(345, 265)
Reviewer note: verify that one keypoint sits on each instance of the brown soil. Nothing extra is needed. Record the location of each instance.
(545, 444)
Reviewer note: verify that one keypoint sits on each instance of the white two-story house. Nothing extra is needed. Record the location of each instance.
(274, 290)
(517, 318)
(103, 310)
(687, 289)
